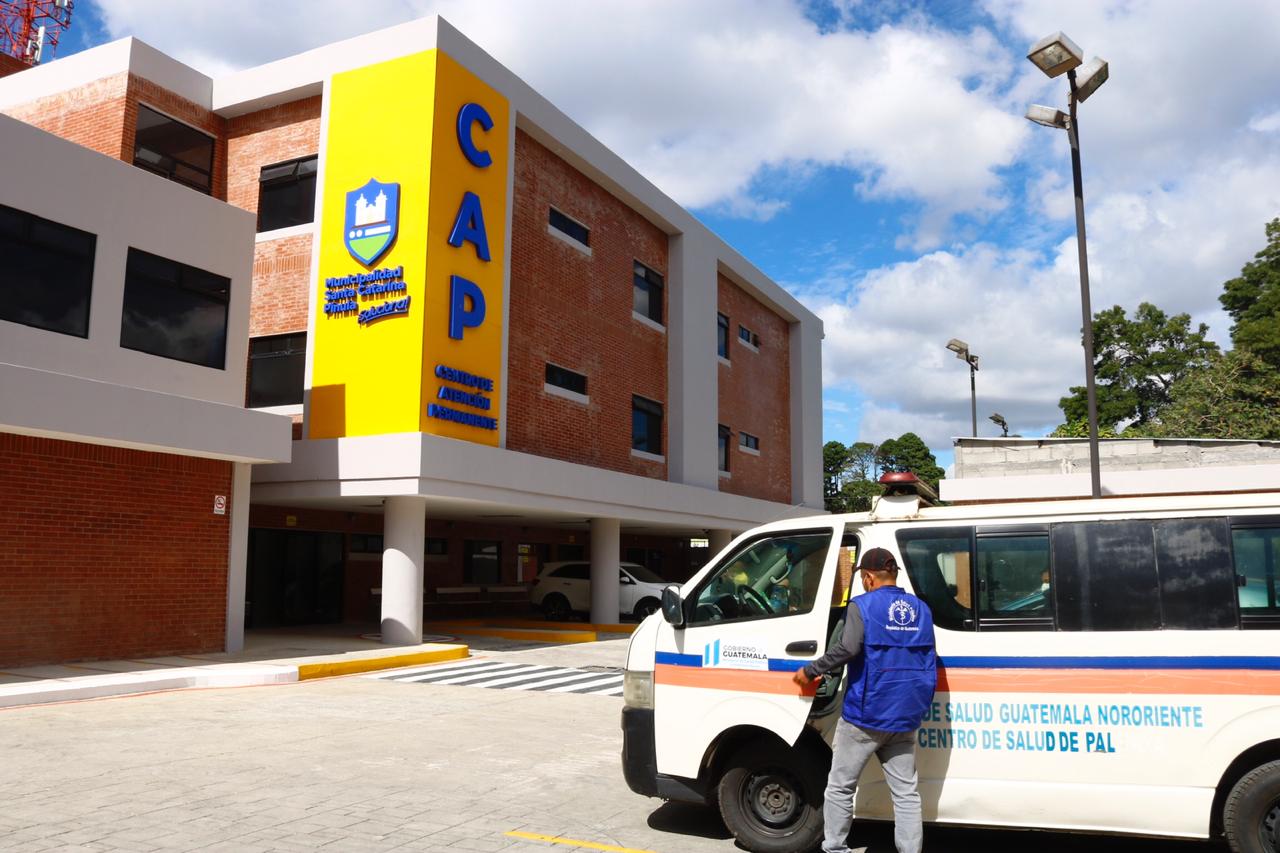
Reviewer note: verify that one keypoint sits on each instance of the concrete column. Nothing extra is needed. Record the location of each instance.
(692, 370)
(806, 414)
(404, 539)
(606, 551)
(237, 554)
(718, 540)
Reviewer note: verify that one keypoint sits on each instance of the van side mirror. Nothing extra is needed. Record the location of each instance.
(672, 607)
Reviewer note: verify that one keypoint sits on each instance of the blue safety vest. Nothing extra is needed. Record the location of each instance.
(891, 683)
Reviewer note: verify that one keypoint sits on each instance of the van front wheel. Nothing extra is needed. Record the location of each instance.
(1251, 816)
(771, 799)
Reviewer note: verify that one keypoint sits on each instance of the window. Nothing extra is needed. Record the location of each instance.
(748, 337)
(646, 426)
(726, 435)
(1257, 567)
(937, 562)
(562, 377)
(1106, 576)
(568, 227)
(173, 150)
(287, 194)
(1197, 582)
(571, 552)
(647, 293)
(722, 336)
(573, 572)
(175, 311)
(1014, 582)
(47, 275)
(366, 543)
(747, 441)
(276, 369)
(772, 576)
(482, 562)
(436, 547)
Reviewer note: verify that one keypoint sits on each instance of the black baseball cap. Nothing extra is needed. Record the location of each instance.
(877, 560)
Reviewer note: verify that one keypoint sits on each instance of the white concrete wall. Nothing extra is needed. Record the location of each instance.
(125, 207)
(1055, 456)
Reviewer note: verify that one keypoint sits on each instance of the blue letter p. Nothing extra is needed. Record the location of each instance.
(461, 317)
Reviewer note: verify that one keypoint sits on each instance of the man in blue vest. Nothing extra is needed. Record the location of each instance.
(887, 643)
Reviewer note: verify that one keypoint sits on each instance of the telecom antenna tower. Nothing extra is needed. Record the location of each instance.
(29, 29)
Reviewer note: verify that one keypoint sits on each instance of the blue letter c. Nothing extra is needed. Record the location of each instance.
(469, 115)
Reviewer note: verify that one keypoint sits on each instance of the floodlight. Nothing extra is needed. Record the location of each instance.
(1090, 78)
(1055, 54)
(959, 347)
(1048, 116)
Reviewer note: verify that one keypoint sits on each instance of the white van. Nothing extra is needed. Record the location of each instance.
(1107, 666)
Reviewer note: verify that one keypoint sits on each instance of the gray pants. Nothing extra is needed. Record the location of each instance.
(851, 750)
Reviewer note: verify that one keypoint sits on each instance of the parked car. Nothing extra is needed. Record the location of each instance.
(563, 589)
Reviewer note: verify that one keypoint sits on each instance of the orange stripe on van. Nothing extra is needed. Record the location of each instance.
(743, 680)
(1197, 682)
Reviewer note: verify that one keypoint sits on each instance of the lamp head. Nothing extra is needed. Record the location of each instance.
(1090, 78)
(1055, 54)
(959, 347)
(998, 420)
(1048, 116)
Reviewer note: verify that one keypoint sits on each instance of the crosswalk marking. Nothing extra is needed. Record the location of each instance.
(508, 675)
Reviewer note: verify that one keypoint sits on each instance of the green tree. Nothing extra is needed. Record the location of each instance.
(1236, 396)
(1136, 362)
(835, 464)
(1253, 301)
(1080, 429)
(857, 494)
(908, 452)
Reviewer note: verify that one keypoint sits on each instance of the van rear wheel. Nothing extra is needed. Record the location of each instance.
(1251, 816)
(771, 799)
(555, 607)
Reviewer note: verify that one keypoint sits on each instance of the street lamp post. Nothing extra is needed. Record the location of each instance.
(961, 349)
(1053, 55)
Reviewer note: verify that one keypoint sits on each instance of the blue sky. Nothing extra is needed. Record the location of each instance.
(872, 158)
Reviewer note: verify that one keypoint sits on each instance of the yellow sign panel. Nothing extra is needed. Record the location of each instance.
(409, 303)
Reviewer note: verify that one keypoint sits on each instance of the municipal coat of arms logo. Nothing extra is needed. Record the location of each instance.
(901, 612)
(373, 217)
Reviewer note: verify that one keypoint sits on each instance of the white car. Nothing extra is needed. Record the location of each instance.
(563, 589)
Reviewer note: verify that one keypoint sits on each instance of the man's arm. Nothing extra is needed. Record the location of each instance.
(848, 647)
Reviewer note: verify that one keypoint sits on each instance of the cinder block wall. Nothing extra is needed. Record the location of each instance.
(109, 553)
(1024, 457)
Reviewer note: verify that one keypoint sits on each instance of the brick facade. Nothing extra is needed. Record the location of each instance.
(109, 553)
(266, 137)
(92, 115)
(281, 276)
(574, 310)
(11, 65)
(755, 397)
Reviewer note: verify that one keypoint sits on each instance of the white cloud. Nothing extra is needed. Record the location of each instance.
(700, 97)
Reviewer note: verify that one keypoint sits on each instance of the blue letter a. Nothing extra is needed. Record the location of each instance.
(469, 226)
(460, 317)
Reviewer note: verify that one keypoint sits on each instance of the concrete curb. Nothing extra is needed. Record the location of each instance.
(353, 665)
(49, 690)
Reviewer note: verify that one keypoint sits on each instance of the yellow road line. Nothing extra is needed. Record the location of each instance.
(573, 842)
(370, 664)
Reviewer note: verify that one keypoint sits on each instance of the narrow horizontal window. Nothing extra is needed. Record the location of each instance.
(748, 337)
(48, 274)
(562, 377)
(569, 227)
(749, 441)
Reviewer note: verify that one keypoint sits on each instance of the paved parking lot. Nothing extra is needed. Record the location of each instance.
(369, 764)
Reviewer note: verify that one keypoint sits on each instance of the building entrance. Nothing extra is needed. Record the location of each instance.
(294, 578)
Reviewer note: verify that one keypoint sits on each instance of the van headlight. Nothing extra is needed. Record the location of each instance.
(637, 689)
